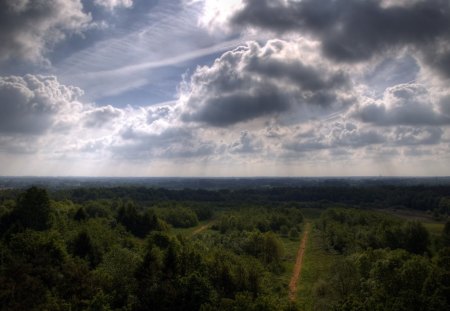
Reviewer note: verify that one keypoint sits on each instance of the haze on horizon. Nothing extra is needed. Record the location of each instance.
(225, 88)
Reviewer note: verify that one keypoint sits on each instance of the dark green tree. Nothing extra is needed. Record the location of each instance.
(33, 209)
(80, 215)
(83, 247)
(416, 237)
(446, 234)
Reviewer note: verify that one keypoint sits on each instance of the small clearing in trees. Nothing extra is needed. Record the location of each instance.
(298, 264)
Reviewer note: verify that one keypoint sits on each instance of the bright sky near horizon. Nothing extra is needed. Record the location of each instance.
(225, 88)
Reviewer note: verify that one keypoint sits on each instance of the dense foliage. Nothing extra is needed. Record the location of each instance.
(389, 264)
(425, 198)
(137, 249)
(121, 255)
(348, 230)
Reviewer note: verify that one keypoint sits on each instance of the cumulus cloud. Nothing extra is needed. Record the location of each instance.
(29, 28)
(158, 113)
(352, 29)
(253, 81)
(403, 104)
(101, 116)
(38, 114)
(333, 136)
(34, 104)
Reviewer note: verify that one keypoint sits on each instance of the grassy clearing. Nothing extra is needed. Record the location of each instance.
(290, 254)
(316, 265)
(408, 214)
(187, 232)
(434, 228)
(316, 261)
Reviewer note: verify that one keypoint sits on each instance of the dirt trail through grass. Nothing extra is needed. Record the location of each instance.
(298, 264)
(202, 228)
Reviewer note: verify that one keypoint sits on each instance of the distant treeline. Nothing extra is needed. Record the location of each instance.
(211, 183)
(413, 197)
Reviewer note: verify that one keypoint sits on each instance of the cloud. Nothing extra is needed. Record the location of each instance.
(333, 136)
(34, 104)
(39, 115)
(216, 13)
(101, 116)
(256, 81)
(168, 143)
(354, 30)
(112, 4)
(403, 104)
(28, 28)
(247, 143)
(404, 136)
(157, 113)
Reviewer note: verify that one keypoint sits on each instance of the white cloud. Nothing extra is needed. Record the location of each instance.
(112, 4)
(217, 13)
(101, 116)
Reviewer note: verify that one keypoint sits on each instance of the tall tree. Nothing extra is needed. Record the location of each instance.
(33, 209)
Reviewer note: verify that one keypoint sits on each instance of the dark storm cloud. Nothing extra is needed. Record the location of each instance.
(228, 109)
(255, 81)
(296, 72)
(29, 27)
(355, 30)
(31, 104)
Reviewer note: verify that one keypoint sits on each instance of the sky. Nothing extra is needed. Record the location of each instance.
(225, 88)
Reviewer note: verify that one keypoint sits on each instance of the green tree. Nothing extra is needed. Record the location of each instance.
(80, 215)
(446, 234)
(416, 237)
(83, 247)
(33, 209)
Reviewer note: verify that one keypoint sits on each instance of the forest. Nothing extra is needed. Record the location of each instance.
(327, 247)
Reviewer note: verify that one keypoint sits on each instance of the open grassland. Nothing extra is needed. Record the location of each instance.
(316, 265)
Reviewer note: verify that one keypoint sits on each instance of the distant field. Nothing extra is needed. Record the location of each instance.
(435, 229)
(412, 215)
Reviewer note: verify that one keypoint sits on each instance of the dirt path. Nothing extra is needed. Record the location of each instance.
(202, 228)
(298, 264)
